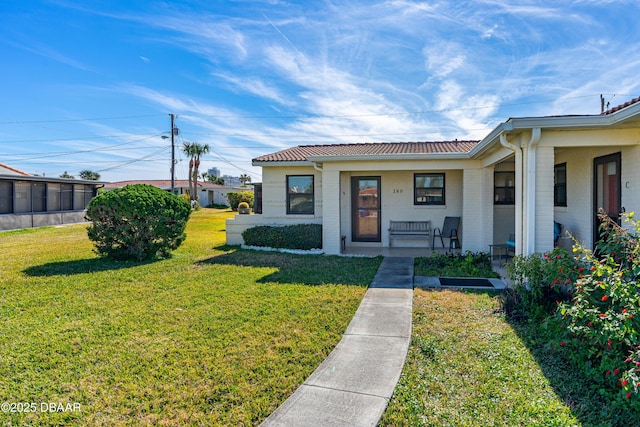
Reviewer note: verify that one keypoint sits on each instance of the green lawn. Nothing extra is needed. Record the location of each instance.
(212, 336)
(469, 366)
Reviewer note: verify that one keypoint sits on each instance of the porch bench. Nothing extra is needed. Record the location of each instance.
(409, 230)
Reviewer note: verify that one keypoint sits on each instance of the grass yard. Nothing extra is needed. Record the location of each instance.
(468, 367)
(213, 336)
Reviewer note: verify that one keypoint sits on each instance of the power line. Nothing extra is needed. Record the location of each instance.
(95, 119)
(299, 116)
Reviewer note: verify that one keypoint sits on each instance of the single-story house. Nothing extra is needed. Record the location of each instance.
(514, 183)
(34, 201)
(208, 193)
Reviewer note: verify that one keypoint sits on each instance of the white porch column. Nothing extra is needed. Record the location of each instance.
(476, 201)
(544, 199)
(331, 211)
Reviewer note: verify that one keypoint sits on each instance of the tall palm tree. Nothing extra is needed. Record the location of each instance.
(188, 149)
(194, 151)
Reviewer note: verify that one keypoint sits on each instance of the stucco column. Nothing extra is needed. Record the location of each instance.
(474, 212)
(331, 211)
(544, 199)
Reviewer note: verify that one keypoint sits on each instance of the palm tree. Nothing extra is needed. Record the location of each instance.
(244, 178)
(215, 180)
(188, 149)
(89, 175)
(194, 151)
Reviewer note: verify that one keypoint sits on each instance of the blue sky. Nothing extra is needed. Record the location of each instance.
(90, 85)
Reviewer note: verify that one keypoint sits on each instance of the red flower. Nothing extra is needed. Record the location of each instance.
(563, 343)
(593, 268)
(581, 269)
(628, 395)
(607, 373)
(624, 310)
(558, 257)
(616, 371)
(602, 315)
(604, 298)
(589, 324)
(624, 382)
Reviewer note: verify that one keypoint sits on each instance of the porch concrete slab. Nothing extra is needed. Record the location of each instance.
(317, 406)
(363, 364)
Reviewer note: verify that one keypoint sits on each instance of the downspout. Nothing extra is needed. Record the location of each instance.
(531, 190)
(518, 187)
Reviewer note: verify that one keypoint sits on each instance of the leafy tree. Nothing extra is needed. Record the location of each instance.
(138, 222)
(89, 175)
(66, 175)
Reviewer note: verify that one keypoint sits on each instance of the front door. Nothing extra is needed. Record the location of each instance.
(365, 209)
(606, 185)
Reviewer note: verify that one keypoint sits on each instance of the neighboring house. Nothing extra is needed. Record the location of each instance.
(207, 193)
(33, 201)
(524, 175)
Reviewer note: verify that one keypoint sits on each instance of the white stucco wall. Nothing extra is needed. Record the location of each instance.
(577, 217)
(274, 203)
(397, 203)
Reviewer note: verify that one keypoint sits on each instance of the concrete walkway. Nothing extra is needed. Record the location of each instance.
(355, 382)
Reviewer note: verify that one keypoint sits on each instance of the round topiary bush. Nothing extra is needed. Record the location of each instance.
(138, 222)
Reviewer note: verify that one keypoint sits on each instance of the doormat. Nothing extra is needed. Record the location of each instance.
(465, 281)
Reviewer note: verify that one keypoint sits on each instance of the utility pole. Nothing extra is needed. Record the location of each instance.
(173, 154)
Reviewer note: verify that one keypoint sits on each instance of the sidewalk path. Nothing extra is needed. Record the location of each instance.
(355, 382)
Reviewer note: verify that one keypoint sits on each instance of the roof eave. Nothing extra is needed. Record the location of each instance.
(399, 156)
(263, 163)
(51, 179)
(557, 122)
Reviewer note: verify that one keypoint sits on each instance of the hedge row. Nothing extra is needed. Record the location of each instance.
(299, 236)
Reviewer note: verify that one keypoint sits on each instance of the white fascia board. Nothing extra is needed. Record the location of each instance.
(282, 163)
(378, 157)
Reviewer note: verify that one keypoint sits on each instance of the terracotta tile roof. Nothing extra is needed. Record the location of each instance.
(160, 183)
(621, 106)
(13, 170)
(303, 152)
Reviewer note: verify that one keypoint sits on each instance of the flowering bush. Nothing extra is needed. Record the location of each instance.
(603, 315)
(540, 282)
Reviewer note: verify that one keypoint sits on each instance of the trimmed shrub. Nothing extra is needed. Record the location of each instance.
(236, 198)
(137, 222)
(299, 236)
